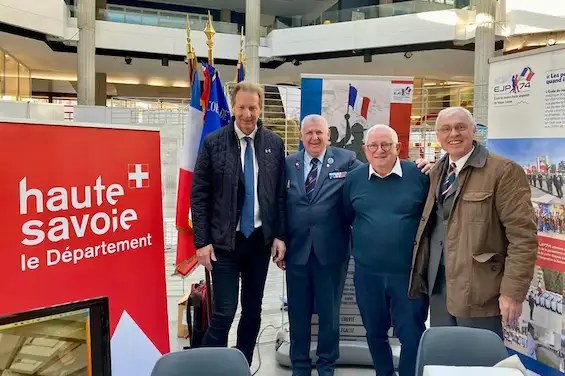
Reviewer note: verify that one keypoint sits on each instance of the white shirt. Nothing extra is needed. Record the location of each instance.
(241, 136)
(460, 163)
(308, 164)
(397, 169)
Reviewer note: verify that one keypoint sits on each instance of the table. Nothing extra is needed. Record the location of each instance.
(470, 371)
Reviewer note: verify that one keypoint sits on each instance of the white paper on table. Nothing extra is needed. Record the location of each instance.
(515, 363)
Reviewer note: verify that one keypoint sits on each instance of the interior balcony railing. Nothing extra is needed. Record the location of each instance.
(172, 19)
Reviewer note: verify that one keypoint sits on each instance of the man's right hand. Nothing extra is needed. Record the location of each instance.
(205, 256)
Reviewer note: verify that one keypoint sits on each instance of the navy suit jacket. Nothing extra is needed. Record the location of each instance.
(321, 223)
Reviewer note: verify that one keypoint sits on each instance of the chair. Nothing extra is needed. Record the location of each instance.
(459, 346)
(204, 361)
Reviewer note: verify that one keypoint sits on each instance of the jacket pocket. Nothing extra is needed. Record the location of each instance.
(477, 206)
(487, 270)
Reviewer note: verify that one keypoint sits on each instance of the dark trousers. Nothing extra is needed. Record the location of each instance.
(439, 316)
(321, 285)
(250, 259)
(379, 295)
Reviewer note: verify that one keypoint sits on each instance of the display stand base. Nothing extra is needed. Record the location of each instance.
(351, 353)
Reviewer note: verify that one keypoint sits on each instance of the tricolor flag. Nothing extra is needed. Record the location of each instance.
(207, 112)
(186, 253)
(358, 103)
(527, 74)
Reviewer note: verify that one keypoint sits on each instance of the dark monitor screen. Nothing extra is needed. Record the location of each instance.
(66, 340)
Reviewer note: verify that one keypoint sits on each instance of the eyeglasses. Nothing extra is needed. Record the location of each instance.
(385, 146)
(459, 128)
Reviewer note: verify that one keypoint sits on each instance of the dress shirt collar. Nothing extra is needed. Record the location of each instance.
(460, 163)
(397, 169)
(241, 135)
(308, 158)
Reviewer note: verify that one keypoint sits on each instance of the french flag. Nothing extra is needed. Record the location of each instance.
(358, 103)
(186, 253)
(207, 113)
(527, 73)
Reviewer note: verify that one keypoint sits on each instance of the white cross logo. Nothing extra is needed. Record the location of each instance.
(138, 176)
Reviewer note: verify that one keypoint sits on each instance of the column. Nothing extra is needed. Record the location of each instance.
(484, 50)
(252, 35)
(86, 52)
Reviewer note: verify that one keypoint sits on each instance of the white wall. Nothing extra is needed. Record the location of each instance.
(44, 16)
(161, 40)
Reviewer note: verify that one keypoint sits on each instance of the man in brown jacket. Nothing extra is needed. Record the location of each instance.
(476, 246)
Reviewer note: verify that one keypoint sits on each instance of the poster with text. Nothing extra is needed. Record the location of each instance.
(352, 104)
(526, 123)
(82, 219)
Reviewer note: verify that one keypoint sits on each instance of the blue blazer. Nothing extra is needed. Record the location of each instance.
(319, 224)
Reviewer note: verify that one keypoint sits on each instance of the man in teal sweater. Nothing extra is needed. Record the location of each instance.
(384, 201)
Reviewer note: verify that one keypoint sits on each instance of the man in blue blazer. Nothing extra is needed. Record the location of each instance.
(318, 244)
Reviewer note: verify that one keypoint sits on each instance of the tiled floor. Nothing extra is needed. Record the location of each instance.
(272, 319)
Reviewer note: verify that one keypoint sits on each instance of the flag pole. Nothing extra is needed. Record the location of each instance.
(210, 32)
(241, 56)
(190, 53)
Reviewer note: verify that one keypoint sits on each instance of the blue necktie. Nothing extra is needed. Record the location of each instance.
(247, 223)
(311, 178)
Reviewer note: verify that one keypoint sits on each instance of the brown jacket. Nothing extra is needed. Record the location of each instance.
(491, 241)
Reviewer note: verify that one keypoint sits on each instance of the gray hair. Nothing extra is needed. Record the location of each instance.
(392, 132)
(450, 111)
(314, 118)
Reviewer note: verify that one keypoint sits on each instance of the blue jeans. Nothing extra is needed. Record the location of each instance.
(379, 295)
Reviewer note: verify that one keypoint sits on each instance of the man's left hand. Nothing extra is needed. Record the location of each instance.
(278, 249)
(510, 309)
(424, 165)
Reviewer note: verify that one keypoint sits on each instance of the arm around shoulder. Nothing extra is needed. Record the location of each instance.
(516, 213)
(201, 197)
(354, 162)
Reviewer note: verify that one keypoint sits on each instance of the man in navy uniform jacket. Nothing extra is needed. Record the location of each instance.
(318, 244)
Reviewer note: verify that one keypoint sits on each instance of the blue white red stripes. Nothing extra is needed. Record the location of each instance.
(359, 103)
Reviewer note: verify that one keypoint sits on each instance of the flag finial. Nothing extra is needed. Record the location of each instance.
(210, 32)
(189, 48)
(190, 54)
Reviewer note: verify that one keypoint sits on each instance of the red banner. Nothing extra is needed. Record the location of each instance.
(82, 218)
(551, 253)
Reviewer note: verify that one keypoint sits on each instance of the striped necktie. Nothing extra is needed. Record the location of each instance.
(449, 180)
(311, 178)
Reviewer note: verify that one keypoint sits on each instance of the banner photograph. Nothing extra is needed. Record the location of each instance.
(352, 104)
(527, 124)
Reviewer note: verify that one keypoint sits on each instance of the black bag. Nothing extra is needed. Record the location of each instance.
(199, 319)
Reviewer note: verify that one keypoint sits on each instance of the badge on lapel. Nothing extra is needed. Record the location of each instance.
(330, 162)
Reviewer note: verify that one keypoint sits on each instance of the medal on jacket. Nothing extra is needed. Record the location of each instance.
(330, 162)
(297, 165)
